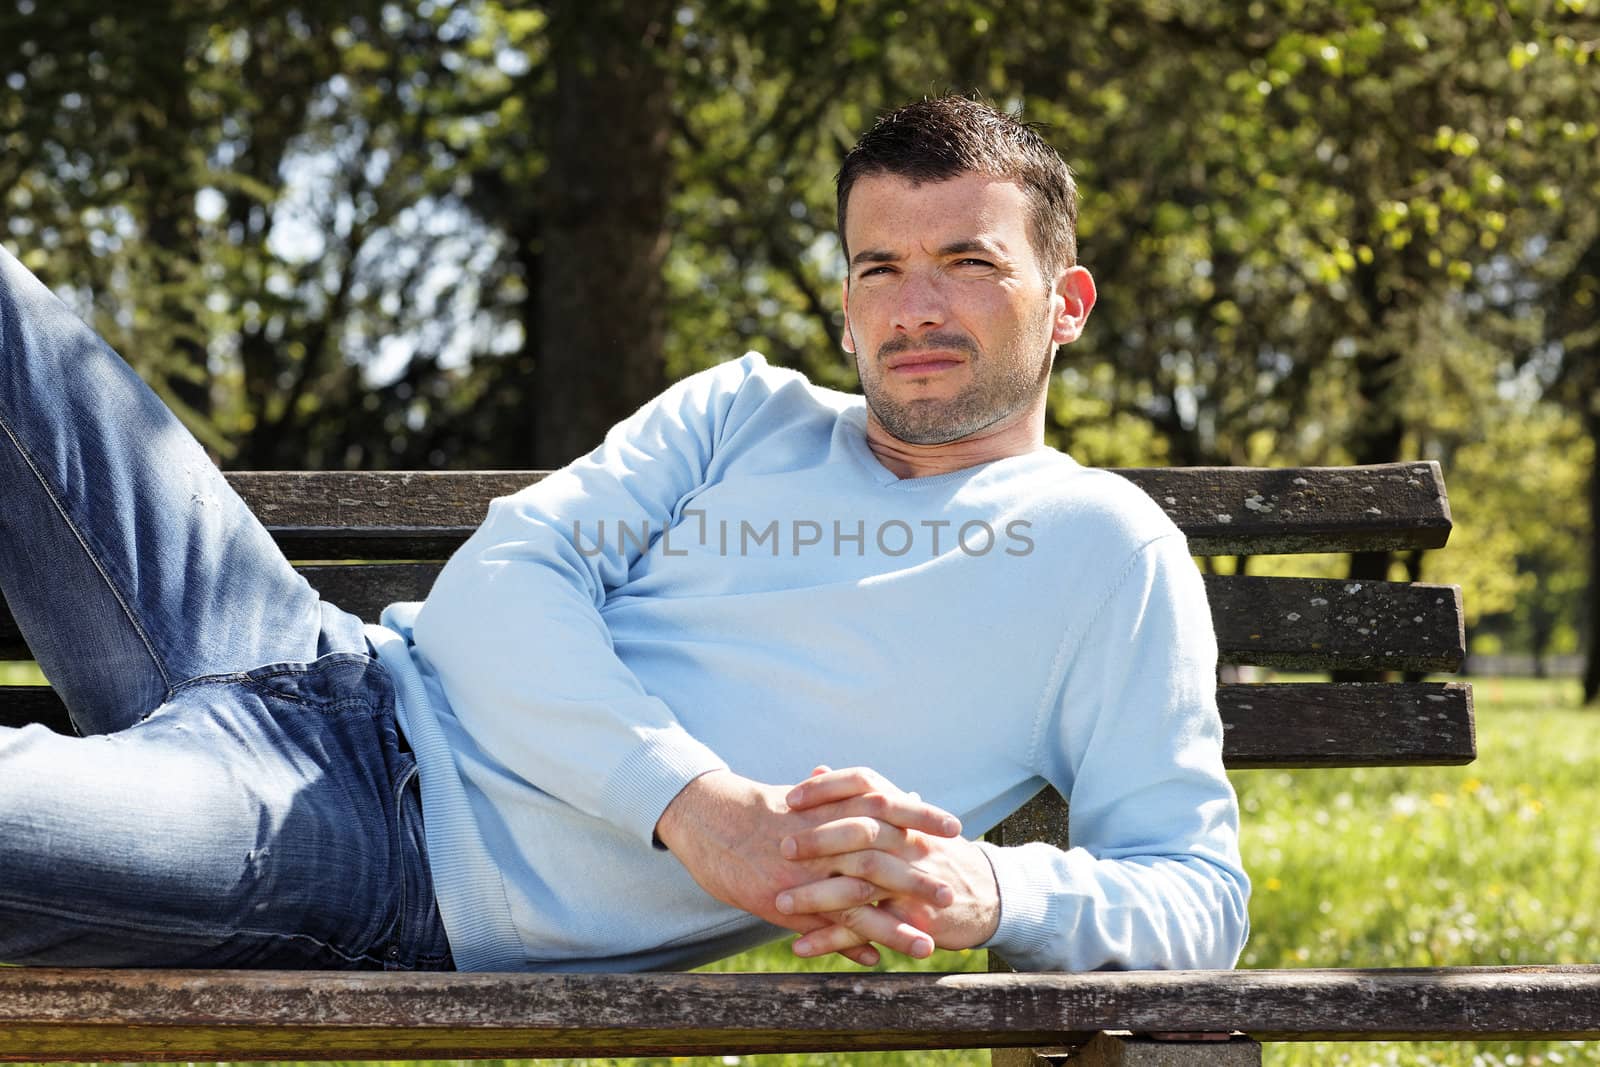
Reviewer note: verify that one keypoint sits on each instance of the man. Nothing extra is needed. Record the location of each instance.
(604, 741)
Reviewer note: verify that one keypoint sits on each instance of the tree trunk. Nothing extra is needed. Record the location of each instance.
(1591, 669)
(601, 310)
(1379, 434)
(163, 174)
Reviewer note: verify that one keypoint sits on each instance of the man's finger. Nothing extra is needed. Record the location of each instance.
(827, 785)
(844, 835)
(828, 895)
(871, 924)
(899, 809)
(879, 875)
(845, 891)
(890, 805)
(865, 955)
(864, 878)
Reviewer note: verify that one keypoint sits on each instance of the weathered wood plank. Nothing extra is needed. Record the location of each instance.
(1320, 624)
(225, 1015)
(373, 514)
(1043, 818)
(1312, 724)
(1257, 736)
(1288, 623)
(1347, 724)
(1224, 510)
(363, 589)
(1265, 510)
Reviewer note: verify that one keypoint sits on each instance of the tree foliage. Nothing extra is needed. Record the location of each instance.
(471, 232)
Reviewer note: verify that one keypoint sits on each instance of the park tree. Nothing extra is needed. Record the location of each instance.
(289, 215)
(1539, 297)
(1322, 205)
(1575, 326)
(1534, 462)
(606, 192)
(159, 169)
(397, 234)
(100, 115)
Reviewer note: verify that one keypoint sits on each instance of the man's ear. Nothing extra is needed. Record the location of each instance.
(1073, 300)
(847, 341)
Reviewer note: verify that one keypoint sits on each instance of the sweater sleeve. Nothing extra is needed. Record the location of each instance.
(513, 627)
(1153, 878)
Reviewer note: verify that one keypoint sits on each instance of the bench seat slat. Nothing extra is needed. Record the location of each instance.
(1287, 623)
(224, 1015)
(1311, 724)
(1224, 510)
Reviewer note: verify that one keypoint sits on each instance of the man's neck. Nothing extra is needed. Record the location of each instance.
(906, 460)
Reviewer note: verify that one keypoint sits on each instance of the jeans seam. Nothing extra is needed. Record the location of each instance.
(88, 551)
(397, 835)
(205, 679)
(197, 934)
(274, 670)
(252, 679)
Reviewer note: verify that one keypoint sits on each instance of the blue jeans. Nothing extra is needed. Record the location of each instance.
(241, 795)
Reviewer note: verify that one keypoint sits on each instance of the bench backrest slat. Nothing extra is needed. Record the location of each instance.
(1347, 724)
(1306, 725)
(1286, 623)
(1279, 510)
(1293, 623)
(1223, 510)
(1332, 624)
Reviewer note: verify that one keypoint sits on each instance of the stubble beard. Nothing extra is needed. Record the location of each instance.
(990, 398)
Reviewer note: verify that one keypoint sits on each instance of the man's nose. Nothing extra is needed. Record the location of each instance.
(920, 303)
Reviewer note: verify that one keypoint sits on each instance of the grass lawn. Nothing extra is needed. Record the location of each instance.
(19, 674)
(1495, 863)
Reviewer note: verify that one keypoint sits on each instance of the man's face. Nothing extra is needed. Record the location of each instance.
(952, 321)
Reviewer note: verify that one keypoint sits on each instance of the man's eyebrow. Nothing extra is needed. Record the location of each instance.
(954, 248)
(873, 255)
(970, 244)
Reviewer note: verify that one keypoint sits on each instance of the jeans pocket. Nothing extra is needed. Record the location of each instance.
(333, 682)
(420, 939)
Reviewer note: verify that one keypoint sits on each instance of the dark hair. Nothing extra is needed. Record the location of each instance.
(938, 139)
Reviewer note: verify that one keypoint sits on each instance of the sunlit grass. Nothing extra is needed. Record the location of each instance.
(1494, 863)
(20, 674)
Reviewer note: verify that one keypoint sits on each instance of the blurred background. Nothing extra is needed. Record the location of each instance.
(414, 234)
(355, 234)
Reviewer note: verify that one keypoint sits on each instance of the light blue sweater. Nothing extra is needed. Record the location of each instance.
(732, 579)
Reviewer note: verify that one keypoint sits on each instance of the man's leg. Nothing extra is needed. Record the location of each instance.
(264, 820)
(130, 565)
(245, 799)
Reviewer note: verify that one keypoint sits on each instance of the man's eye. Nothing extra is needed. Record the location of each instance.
(970, 262)
(870, 271)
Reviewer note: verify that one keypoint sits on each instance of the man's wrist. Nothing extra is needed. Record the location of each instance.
(1025, 900)
(992, 908)
(688, 808)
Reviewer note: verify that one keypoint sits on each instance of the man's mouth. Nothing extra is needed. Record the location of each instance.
(915, 363)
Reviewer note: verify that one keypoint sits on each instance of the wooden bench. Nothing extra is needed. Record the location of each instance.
(1291, 623)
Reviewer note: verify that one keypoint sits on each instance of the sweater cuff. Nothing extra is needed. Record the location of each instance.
(647, 781)
(1026, 923)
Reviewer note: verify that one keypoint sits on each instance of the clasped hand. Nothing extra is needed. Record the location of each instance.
(845, 858)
